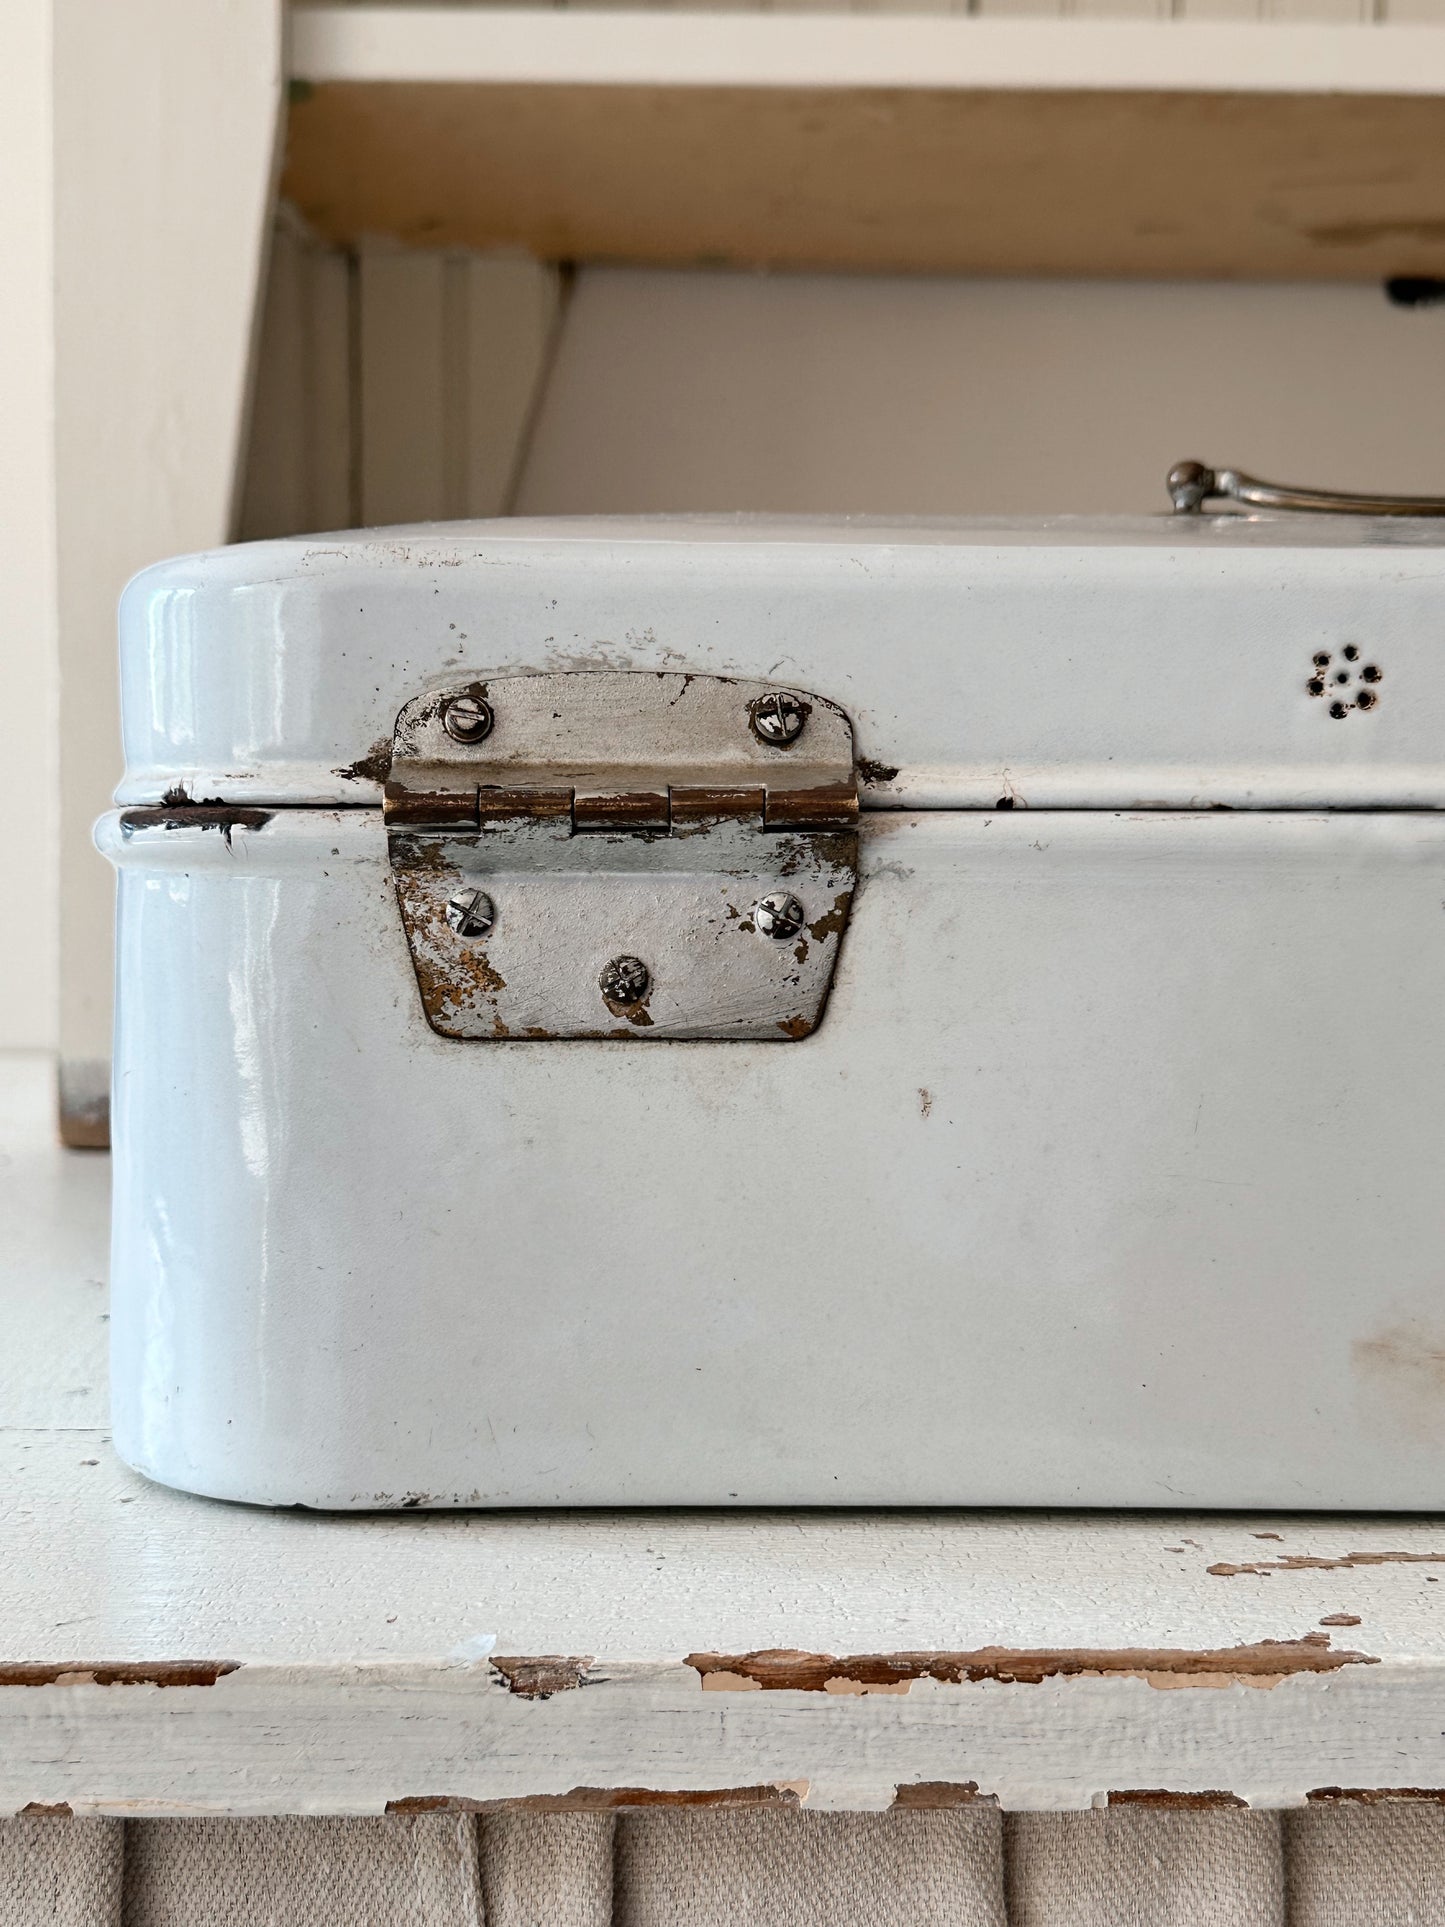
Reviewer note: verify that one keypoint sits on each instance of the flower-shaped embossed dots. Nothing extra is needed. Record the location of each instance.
(1349, 683)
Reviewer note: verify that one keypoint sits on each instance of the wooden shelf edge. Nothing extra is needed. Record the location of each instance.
(512, 46)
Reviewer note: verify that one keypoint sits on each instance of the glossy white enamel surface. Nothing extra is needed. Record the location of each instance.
(1111, 1177)
(1069, 663)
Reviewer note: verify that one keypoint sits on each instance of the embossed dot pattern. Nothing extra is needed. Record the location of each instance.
(1344, 683)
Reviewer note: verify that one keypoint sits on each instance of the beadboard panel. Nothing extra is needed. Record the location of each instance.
(394, 385)
(1303, 10)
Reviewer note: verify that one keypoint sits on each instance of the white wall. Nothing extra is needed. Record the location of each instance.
(28, 998)
(718, 390)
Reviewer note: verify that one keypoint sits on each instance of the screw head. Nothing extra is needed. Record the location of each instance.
(779, 916)
(626, 980)
(471, 913)
(468, 719)
(778, 718)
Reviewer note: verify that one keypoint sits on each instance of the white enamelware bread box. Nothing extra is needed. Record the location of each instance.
(743, 1012)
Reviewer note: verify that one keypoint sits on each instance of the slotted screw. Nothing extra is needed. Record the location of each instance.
(779, 916)
(626, 980)
(468, 719)
(778, 718)
(471, 913)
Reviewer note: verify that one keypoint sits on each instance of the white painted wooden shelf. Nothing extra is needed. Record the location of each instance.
(164, 1654)
(982, 144)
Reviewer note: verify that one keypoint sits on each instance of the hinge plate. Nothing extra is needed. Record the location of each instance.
(611, 816)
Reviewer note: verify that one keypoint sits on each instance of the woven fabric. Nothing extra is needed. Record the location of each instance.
(57, 1872)
(1377, 1866)
(547, 1869)
(1327, 1866)
(1142, 1867)
(395, 1872)
(779, 1868)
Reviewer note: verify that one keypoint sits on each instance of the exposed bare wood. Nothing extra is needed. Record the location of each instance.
(1124, 182)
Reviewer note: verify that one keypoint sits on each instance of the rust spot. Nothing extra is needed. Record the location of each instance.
(874, 772)
(1374, 1796)
(374, 767)
(831, 923)
(88, 1672)
(1177, 1802)
(597, 1799)
(1341, 1619)
(796, 1027)
(932, 1794)
(925, 1100)
(1264, 1663)
(1278, 1537)
(540, 1677)
(636, 1014)
(49, 1810)
(1304, 1562)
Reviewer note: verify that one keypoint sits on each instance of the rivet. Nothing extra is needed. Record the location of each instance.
(626, 980)
(779, 916)
(467, 719)
(471, 913)
(777, 718)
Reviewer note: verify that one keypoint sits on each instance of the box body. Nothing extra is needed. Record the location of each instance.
(1110, 1176)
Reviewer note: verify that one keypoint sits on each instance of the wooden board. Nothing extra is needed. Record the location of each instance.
(1154, 184)
(164, 1654)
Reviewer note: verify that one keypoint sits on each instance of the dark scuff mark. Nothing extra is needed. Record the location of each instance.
(1174, 1802)
(875, 772)
(1354, 234)
(209, 815)
(89, 1672)
(540, 1677)
(1264, 1662)
(374, 767)
(594, 1799)
(1304, 1562)
(933, 1794)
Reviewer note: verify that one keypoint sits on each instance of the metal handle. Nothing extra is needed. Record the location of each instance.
(1191, 485)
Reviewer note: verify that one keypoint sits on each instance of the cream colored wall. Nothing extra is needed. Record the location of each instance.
(813, 392)
(28, 942)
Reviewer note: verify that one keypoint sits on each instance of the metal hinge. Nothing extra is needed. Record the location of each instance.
(618, 853)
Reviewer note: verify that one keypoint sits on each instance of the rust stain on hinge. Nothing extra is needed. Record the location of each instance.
(599, 1799)
(1264, 1663)
(89, 1672)
(539, 1677)
(1304, 1562)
